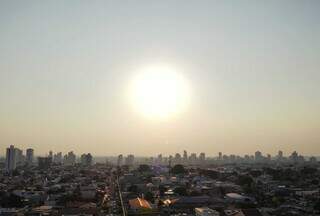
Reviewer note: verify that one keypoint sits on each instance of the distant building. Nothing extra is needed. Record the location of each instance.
(177, 158)
(120, 160)
(313, 159)
(44, 162)
(294, 157)
(193, 158)
(185, 156)
(160, 158)
(129, 160)
(247, 158)
(280, 155)
(51, 155)
(29, 156)
(202, 157)
(170, 161)
(20, 159)
(86, 159)
(232, 158)
(301, 159)
(11, 162)
(258, 156)
(269, 157)
(70, 159)
(57, 158)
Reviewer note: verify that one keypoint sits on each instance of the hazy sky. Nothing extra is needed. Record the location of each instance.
(253, 67)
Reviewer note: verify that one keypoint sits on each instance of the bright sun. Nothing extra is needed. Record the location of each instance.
(159, 91)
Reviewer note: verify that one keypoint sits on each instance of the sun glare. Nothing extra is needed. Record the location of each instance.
(159, 91)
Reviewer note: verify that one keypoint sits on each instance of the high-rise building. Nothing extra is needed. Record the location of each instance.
(246, 158)
(29, 156)
(151, 161)
(280, 155)
(70, 159)
(232, 158)
(294, 157)
(11, 159)
(44, 162)
(301, 159)
(170, 161)
(130, 160)
(185, 156)
(159, 159)
(202, 157)
(57, 158)
(19, 157)
(220, 156)
(258, 156)
(313, 159)
(269, 157)
(177, 158)
(86, 159)
(193, 158)
(51, 155)
(120, 160)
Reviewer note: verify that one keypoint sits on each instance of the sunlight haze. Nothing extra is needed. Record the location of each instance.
(148, 77)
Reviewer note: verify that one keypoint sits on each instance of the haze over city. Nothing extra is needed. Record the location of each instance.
(149, 77)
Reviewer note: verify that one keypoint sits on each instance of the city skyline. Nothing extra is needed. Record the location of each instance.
(15, 159)
(238, 76)
(183, 154)
(160, 108)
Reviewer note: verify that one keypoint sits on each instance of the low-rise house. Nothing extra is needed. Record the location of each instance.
(238, 198)
(242, 212)
(189, 202)
(205, 211)
(139, 205)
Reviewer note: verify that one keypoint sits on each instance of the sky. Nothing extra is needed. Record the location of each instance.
(252, 67)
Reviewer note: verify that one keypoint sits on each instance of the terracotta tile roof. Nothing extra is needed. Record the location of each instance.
(139, 203)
